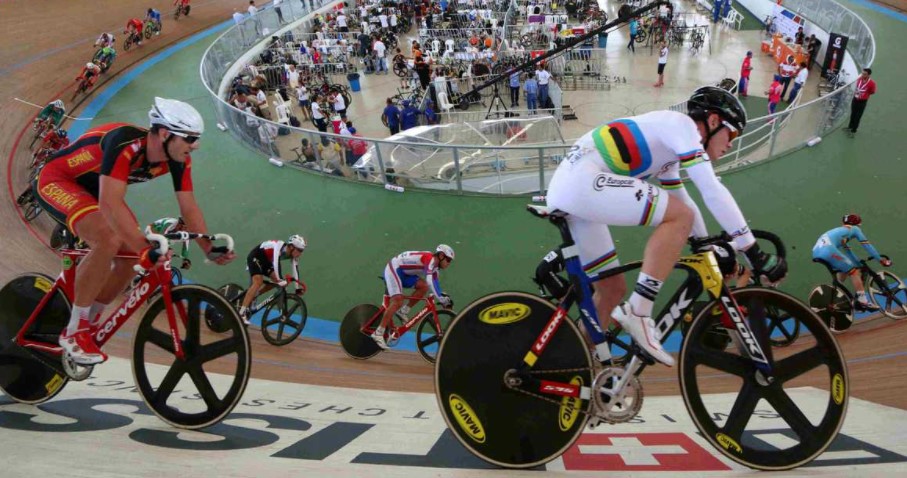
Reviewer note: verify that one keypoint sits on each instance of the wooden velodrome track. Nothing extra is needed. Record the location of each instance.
(42, 48)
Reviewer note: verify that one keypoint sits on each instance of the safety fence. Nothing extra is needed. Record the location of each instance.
(515, 155)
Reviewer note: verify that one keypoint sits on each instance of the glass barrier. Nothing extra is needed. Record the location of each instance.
(477, 154)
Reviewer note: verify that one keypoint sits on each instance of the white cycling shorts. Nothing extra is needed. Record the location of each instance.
(594, 200)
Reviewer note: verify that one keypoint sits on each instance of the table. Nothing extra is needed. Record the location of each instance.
(781, 50)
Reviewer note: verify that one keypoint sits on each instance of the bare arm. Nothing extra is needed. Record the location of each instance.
(113, 206)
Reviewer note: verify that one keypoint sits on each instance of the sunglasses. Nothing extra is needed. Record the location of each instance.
(733, 133)
(188, 138)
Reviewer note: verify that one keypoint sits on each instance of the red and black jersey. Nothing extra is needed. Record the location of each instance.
(117, 150)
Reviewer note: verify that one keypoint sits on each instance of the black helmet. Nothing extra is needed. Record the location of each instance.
(713, 99)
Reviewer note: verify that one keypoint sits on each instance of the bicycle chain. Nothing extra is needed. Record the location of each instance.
(548, 399)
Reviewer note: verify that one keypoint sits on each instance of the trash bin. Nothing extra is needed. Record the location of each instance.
(353, 78)
(602, 40)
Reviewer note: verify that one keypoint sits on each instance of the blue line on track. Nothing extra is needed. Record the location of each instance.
(883, 10)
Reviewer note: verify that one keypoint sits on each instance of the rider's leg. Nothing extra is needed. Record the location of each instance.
(662, 252)
(608, 293)
(420, 289)
(257, 281)
(595, 200)
(393, 305)
(117, 280)
(104, 244)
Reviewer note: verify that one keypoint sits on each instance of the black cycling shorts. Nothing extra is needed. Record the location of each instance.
(258, 264)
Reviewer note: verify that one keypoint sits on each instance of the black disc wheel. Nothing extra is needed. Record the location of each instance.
(29, 375)
(498, 416)
(833, 306)
(216, 321)
(202, 387)
(283, 322)
(778, 411)
(357, 343)
(429, 335)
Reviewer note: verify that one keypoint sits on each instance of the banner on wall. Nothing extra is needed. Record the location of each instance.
(787, 21)
(834, 54)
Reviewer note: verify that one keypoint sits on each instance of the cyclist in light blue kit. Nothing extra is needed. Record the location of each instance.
(832, 248)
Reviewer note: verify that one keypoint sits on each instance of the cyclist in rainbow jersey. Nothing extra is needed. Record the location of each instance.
(604, 181)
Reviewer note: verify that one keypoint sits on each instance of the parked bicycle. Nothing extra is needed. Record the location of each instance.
(35, 308)
(284, 316)
(517, 385)
(836, 304)
(836, 79)
(361, 321)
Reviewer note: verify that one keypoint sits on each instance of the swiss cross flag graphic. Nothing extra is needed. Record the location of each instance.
(639, 452)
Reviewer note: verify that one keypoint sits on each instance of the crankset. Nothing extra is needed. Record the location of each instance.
(74, 371)
(614, 399)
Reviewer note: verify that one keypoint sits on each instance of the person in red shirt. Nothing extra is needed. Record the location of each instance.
(134, 26)
(745, 70)
(774, 94)
(865, 87)
(83, 186)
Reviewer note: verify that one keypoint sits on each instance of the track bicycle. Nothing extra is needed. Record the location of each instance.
(361, 321)
(181, 10)
(151, 27)
(31, 208)
(41, 128)
(82, 87)
(132, 38)
(284, 317)
(517, 385)
(35, 308)
(836, 304)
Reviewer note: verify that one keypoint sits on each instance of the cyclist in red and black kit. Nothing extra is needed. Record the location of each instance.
(264, 262)
(83, 187)
(134, 26)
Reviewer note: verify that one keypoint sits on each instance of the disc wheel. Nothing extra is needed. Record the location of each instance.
(29, 375)
(213, 319)
(511, 427)
(283, 322)
(428, 337)
(185, 392)
(889, 294)
(800, 402)
(356, 343)
(833, 306)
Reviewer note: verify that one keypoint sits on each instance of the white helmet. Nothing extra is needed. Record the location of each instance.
(297, 241)
(446, 250)
(59, 104)
(178, 117)
(89, 65)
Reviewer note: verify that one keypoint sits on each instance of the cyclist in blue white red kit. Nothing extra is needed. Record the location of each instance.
(832, 248)
(264, 261)
(603, 182)
(412, 269)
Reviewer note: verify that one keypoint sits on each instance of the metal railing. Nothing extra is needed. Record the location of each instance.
(431, 160)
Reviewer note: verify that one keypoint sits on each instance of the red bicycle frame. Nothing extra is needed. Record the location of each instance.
(368, 327)
(159, 276)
